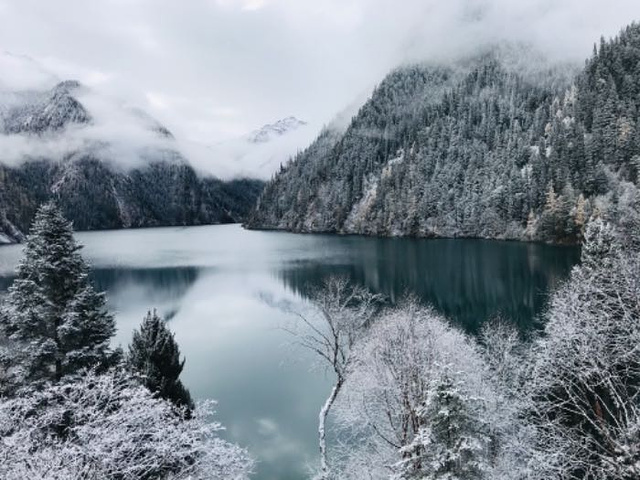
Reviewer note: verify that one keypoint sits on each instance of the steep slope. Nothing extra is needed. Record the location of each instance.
(131, 176)
(480, 149)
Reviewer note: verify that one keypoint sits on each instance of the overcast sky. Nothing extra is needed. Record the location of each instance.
(215, 69)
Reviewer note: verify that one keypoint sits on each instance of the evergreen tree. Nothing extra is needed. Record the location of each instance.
(155, 356)
(531, 226)
(580, 217)
(54, 320)
(600, 245)
(454, 445)
(451, 444)
(550, 215)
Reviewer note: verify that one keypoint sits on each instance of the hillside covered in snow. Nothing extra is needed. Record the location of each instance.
(501, 145)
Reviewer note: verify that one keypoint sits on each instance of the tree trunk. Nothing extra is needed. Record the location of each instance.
(322, 420)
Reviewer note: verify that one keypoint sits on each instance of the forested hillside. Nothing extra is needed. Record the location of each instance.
(483, 148)
(84, 171)
(97, 196)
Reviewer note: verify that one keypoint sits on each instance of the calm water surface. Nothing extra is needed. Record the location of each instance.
(213, 281)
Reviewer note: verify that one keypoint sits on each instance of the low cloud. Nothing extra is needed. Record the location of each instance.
(268, 59)
(19, 72)
(241, 158)
(117, 132)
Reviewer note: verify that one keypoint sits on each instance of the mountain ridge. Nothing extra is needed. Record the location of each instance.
(480, 151)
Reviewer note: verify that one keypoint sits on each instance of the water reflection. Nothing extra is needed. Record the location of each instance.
(173, 282)
(470, 281)
(160, 288)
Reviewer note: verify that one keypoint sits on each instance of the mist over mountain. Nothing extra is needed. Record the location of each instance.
(476, 148)
(272, 131)
(109, 165)
(260, 153)
(52, 118)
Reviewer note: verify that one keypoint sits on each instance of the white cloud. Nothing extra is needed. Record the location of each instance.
(254, 4)
(157, 100)
(117, 132)
(19, 72)
(240, 158)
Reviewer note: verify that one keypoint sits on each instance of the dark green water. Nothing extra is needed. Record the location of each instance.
(212, 282)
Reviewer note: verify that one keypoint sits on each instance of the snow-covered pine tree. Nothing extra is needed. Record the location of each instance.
(54, 321)
(155, 356)
(451, 444)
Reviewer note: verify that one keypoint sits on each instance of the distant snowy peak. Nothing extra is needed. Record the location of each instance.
(46, 111)
(67, 103)
(261, 153)
(274, 130)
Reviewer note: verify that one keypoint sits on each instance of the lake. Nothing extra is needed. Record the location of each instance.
(219, 286)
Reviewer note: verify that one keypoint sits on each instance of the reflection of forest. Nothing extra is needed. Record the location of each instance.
(167, 282)
(468, 280)
(161, 287)
(170, 282)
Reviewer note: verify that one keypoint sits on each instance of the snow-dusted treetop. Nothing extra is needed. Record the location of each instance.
(103, 427)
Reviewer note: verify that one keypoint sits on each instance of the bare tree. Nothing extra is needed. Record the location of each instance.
(109, 427)
(509, 369)
(341, 312)
(401, 367)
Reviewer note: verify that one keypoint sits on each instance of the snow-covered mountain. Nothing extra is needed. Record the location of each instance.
(260, 154)
(272, 131)
(68, 118)
(480, 148)
(39, 112)
(108, 164)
